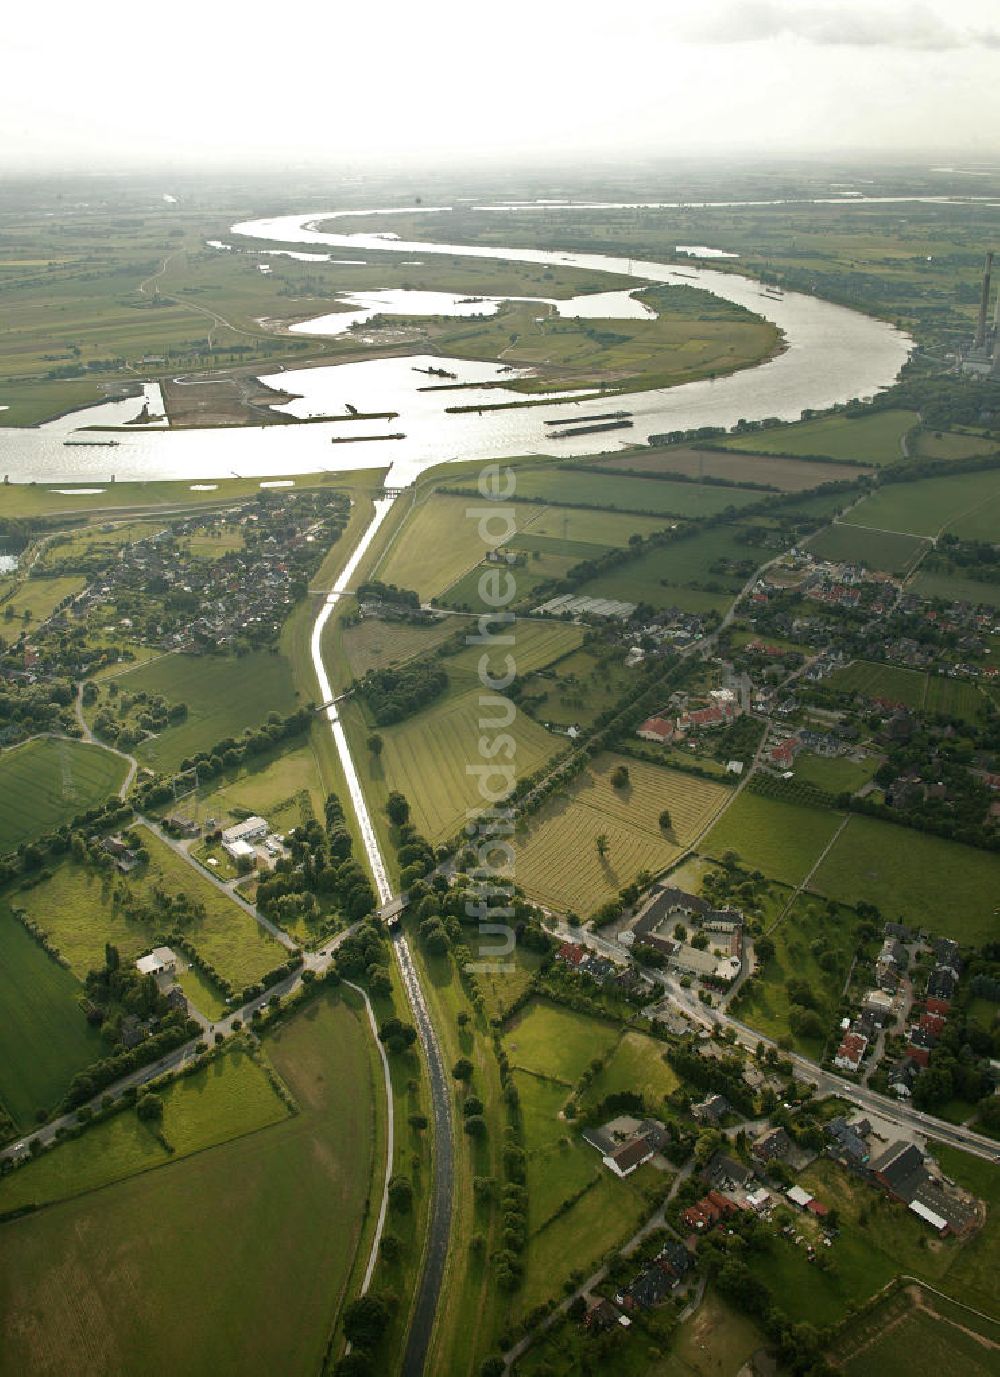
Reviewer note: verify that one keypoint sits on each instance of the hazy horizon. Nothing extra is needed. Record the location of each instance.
(762, 78)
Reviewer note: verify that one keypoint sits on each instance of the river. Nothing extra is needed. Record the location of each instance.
(832, 355)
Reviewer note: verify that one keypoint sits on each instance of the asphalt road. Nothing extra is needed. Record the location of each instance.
(893, 1111)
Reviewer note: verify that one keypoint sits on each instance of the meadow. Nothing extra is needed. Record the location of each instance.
(812, 944)
(940, 886)
(47, 782)
(884, 551)
(578, 689)
(872, 439)
(955, 588)
(963, 504)
(781, 839)
(35, 599)
(637, 1064)
(75, 907)
(788, 475)
(556, 857)
(375, 644)
(624, 493)
(661, 575)
(227, 1098)
(224, 695)
(44, 1037)
(891, 682)
(557, 1043)
(835, 774)
(209, 1257)
(286, 789)
(950, 444)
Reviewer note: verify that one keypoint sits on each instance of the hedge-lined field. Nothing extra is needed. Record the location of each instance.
(46, 782)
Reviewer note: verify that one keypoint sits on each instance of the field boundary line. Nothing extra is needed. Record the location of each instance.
(802, 885)
(390, 1145)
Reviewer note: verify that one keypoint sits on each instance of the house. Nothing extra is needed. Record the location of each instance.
(124, 857)
(723, 1172)
(901, 1078)
(177, 999)
(675, 1260)
(571, 954)
(880, 1004)
(624, 1159)
(941, 983)
(161, 963)
(847, 1142)
(602, 1316)
(131, 1032)
(656, 729)
(239, 851)
(773, 1143)
(851, 1050)
(708, 1211)
(648, 1289)
(711, 1111)
(933, 1023)
(252, 829)
(920, 1045)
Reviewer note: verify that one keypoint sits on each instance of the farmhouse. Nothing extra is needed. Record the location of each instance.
(848, 1141)
(656, 729)
(161, 963)
(624, 1160)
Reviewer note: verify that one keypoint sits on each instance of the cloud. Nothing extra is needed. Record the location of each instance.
(913, 26)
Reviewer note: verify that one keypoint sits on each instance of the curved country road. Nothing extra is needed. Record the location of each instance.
(439, 1224)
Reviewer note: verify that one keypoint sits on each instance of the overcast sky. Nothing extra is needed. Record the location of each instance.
(109, 84)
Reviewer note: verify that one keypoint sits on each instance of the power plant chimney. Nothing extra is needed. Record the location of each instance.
(984, 304)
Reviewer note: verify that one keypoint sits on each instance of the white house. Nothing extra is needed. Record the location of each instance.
(161, 963)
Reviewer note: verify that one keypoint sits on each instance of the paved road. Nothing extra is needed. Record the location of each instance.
(892, 1110)
(230, 892)
(319, 962)
(439, 1225)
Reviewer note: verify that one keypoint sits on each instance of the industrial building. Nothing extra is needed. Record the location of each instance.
(983, 358)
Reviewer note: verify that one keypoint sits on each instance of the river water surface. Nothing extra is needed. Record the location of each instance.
(831, 355)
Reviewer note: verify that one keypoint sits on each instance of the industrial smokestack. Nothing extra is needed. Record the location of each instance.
(984, 304)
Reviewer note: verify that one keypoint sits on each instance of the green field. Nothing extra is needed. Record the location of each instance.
(660, 577)
(942, 887)
(557, 1043)
(535, 644)
(75, 907)
(47, 782)
(622, 493)
(99, 1282)
(955, 588)
(789, 475)
(581, 687)
(811, 944)
(891, 682)
(229, 1097)
(44, 1037)
(282, 790)
(426, 756)
(374, 644)
(38, 598)
(638, 1064)
(556, 859)
(224, 695)
(964, 504)
(439, 542)
(883, 551)
(835, 774)
(782, 839)
(874, 439)
(920, 1343)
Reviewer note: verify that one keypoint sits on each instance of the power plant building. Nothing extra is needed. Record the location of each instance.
(983, 357)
